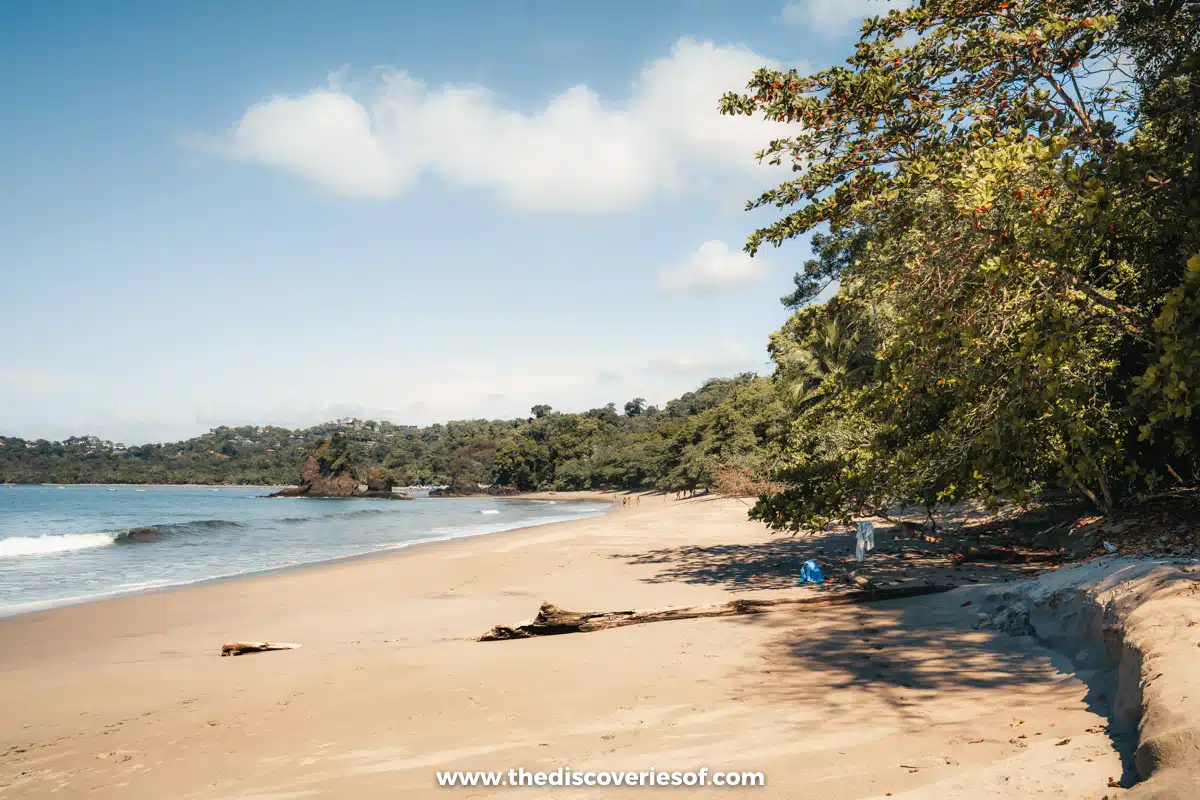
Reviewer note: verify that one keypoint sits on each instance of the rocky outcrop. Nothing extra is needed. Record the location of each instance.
(379, 481)
(380, 485)
(328, 473)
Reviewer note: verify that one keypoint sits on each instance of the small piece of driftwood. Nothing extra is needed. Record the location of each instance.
(552, 620)
(242, 648)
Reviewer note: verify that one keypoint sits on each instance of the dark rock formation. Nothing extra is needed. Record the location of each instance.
(379, 486)
(328, 473)
(379, 481)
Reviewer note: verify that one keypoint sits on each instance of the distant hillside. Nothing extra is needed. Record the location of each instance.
(686, 444)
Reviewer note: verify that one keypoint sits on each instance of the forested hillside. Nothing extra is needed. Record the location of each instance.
(687, 444)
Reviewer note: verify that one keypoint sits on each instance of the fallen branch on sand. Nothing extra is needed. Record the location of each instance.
(552, 620)
(241, 648)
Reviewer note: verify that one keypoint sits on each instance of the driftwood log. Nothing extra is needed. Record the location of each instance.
(242, 648)
(552, 620)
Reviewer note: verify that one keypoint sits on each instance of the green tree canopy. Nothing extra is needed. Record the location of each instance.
(1010, 197)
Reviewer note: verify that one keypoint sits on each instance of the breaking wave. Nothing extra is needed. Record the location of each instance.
(14, 546)
(47, 544)
(155, 533)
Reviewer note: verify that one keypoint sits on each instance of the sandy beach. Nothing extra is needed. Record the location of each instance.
(129, 697)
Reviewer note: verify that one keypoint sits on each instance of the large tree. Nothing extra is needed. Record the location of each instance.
(1004, 193)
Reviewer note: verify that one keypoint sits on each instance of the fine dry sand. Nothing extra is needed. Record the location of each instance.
(129, 697)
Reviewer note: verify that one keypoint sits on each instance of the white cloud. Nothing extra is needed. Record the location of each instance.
(325, 136)
(574, 155)
(720, 362)
(42, 382)
(834, 16)
(714, 267)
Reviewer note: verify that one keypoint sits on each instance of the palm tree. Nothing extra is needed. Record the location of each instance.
(828, 359)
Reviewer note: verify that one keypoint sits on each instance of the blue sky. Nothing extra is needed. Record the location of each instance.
(226, 213)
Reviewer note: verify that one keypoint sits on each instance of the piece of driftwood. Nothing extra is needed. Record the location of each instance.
(552, 620)
(242, 648)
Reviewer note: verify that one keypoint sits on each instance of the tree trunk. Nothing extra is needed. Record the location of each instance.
(1089, 494)
(1109, 505)
(552, 620)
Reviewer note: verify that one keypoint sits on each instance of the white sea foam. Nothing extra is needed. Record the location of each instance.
(20, 546)
(14, 546)
(152, 584)
(490, 511)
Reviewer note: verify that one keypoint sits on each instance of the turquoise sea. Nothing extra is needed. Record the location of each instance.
(60, 545)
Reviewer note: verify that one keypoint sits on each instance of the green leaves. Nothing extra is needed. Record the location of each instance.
(1006, 218)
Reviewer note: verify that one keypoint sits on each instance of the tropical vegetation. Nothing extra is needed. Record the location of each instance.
(688, 444)
(1005, 194)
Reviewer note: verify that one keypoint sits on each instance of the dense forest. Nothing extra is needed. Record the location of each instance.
(690, 443)
(1003, 197)
(1006, 195)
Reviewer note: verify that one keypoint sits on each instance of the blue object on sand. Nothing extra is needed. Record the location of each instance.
(811, 573)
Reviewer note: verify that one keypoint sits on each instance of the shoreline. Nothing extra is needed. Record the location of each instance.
(42, 606)
(128, 697)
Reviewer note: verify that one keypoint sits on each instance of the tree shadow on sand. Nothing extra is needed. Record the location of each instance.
(918, 657)
(777, 563)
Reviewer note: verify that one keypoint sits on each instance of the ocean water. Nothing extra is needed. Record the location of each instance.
(61, 545)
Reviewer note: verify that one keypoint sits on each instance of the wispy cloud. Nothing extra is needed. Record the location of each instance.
(719, 362)
(713, 268)
(42, 381)
(835, 16)
(417, 393)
